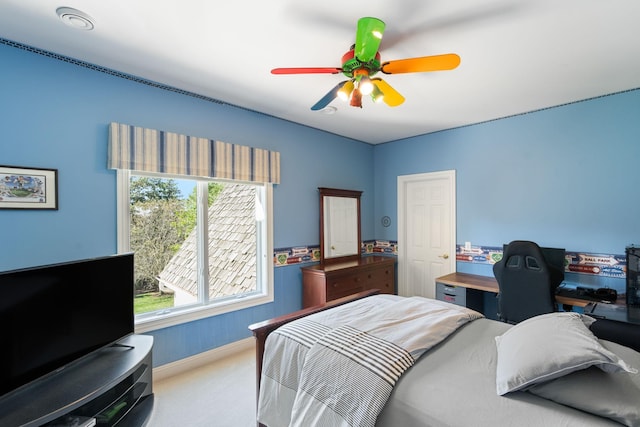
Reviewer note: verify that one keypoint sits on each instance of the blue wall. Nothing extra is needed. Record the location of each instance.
(54, 114)
(563, 177)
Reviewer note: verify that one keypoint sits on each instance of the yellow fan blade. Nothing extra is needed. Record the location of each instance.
(391, 97)
(447, 61)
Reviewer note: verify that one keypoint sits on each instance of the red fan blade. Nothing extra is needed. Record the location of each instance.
(308, 70)
(448, 61)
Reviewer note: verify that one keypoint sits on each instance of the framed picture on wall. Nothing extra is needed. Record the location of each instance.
(28, 188)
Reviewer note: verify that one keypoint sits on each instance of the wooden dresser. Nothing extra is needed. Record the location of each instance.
(326, 282)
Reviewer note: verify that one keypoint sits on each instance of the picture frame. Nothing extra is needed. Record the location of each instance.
(28, 188)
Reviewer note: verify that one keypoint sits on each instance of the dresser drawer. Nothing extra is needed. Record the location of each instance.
(381, 278)
(342, 286)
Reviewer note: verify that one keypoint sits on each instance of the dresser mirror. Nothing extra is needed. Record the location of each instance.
(340, 238)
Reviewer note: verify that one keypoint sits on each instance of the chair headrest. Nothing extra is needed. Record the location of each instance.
(524, 254)
(522, 247)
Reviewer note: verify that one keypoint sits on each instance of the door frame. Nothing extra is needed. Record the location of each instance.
(403, 180)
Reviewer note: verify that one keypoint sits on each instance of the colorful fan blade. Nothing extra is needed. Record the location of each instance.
(330, 96)
(368, 37)
(391, 97)
(448, 61)
(309, 70)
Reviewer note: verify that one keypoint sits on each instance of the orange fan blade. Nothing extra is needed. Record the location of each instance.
(391, 97)
(307, 70)
(447, 61)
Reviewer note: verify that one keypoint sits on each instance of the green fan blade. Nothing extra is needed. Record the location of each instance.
(368, 37)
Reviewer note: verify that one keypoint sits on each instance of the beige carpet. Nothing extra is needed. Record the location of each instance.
(220, 394)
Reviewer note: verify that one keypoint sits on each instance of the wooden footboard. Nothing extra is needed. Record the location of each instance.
(261, 330)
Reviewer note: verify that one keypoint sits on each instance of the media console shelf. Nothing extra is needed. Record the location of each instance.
(112, 385)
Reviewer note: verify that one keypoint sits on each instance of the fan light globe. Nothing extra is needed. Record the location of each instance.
(377, 95)
(365, 86)
(356, 98)
(345, 91)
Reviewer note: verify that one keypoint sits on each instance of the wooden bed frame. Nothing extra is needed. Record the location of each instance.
(261, 330)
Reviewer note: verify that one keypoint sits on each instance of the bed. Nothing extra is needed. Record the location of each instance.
(460, 375)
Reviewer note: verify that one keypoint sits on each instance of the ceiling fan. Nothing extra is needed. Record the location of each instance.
(362, 62)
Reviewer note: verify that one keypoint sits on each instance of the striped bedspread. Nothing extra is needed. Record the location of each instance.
(338, 367)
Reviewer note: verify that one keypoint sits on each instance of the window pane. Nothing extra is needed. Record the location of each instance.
(162, 216)
(232, 248)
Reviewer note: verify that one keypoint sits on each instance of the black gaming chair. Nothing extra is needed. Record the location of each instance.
(527, 283)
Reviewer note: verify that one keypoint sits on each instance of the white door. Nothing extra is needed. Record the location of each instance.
(426, 231)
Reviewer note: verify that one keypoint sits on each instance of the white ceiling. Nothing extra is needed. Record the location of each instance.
(517, 56)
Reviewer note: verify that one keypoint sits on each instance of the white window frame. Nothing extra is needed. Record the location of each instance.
(178, 315)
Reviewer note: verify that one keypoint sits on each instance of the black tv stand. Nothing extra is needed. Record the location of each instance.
(121, 345)
(112, 385)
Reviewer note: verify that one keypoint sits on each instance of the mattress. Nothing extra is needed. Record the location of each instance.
(454, 384)
(338, 367)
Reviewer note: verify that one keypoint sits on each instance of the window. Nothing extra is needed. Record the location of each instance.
(202, 246)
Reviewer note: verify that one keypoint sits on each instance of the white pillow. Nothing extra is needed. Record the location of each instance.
(549, 346)
(609, 395)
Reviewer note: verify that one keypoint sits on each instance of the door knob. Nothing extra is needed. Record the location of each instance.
(445, 256)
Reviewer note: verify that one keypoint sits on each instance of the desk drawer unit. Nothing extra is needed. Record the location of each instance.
(453, 294)
(471, 298)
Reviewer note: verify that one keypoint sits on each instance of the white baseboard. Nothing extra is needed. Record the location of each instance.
(200, 359)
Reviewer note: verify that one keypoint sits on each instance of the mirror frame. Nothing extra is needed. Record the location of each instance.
(335, 192)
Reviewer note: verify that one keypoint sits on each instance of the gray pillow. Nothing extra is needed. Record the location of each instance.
(610, 395)
(549, 346)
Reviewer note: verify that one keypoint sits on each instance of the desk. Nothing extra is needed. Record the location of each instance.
(615, 322)
(490, 284)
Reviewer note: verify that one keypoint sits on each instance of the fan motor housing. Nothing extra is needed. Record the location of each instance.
(350, 63)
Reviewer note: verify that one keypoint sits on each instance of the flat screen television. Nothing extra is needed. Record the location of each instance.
(53, 315)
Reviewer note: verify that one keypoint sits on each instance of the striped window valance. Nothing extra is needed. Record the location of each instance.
(149, 150)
